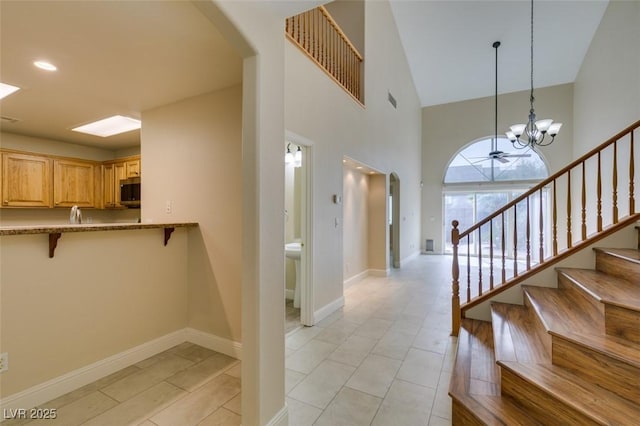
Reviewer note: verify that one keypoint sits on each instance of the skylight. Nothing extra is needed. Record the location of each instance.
(110, 126)
(7, 89)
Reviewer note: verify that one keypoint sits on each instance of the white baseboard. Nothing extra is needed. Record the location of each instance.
(379, 272)
(75, 379)
(328, 309)
(281, 418)
(356, 278)
(213, 342)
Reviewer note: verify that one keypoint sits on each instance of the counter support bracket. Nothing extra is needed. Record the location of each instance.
(167, 234)
(53, 242)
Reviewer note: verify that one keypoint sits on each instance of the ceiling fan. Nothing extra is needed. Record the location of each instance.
(495, 154)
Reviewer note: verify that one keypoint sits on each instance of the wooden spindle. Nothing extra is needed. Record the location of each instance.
(528, 232)
(468, 270)
(583, 225)
(569, 244)
(554, 225)
(504, 257)
(541, 230)
(491, 254)
(632, 202)
(455, 284)
(480, 261)
(598, 197)
(515, 241)
(615, 184)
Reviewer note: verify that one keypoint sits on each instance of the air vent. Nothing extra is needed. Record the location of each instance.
(11, 120)
(392, 100)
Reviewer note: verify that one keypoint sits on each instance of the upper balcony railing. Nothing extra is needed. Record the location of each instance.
(546, 223)
(320, 37)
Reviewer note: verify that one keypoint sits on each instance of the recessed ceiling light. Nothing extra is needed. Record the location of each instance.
(110, 126)
(359, 167)
(44, 65)
(7, 89)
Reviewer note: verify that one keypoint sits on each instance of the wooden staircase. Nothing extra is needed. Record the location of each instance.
(569, 356)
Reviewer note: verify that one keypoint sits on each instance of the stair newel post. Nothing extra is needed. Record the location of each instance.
(455, 273)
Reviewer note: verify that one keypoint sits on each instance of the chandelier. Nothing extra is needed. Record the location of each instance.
(533, 133)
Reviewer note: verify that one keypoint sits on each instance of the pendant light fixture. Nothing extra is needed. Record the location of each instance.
(534, 132)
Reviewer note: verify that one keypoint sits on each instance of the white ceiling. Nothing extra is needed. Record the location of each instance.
(449, 44)
(124, 57)
(113, 57)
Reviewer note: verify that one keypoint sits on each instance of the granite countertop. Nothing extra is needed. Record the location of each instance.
(87, 227)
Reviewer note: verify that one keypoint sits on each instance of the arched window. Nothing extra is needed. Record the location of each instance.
(484, 176)
(484, 161)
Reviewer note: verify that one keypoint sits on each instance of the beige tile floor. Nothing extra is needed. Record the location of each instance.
(186, 385)
(384, 359)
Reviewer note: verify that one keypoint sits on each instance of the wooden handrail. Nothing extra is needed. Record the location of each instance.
(576, 171)
(320, 37)
(553, 177)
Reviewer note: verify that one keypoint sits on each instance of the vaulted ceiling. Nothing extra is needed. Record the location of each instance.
(124, 57)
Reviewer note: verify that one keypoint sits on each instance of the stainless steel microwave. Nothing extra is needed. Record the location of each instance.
(130, 192)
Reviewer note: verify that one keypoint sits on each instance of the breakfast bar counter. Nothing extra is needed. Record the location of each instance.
(56, 231)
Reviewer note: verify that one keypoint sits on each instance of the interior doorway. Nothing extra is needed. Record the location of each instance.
(394, 220)
(298, 232)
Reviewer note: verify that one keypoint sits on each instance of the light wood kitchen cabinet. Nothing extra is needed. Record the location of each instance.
(112, 173)
(26, 180)
(74, 183)
(133, 168)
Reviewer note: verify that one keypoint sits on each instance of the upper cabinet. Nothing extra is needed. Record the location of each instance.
(74, 183)
(112, 173)
(133, 167)
(26, 180)
(33, 180)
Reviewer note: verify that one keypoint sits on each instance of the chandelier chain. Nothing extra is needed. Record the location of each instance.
(531, 98)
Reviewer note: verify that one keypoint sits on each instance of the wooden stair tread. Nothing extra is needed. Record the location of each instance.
(579, 322)
(631, 255)
(475, 368)
(475, 381)
(597, 403)
(604, 287)
(515, 335)
(560, 311)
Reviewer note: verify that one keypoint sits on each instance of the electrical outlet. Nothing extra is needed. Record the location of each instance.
(4, 361)
(168, 207)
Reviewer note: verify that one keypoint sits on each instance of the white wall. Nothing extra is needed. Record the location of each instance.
(607, 87)
(53, 147)
(192, 159)
(95, 298)
(356, 223)
(385, 138)
(448, 128)
(607, 100)
(257, 35)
